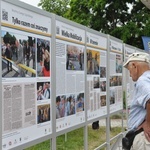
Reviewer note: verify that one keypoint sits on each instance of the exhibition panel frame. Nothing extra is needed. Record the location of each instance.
(70, 66)
(26, 107)
(57, 76)
(115, 75)
(96, 64)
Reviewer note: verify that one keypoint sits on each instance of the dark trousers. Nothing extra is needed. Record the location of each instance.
(9, 64)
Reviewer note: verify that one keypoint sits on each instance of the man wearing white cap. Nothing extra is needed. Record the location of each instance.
(138, 65)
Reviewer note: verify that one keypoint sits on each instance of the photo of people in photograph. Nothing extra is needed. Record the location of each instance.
(74, 58)
(102, 72)
(96, 82)
(93, 62)
(103, 100)
(43, 113)
(103, 86)
(70, 105)
(43, 91)
(43, 58)
(80, 102)
(112, 96)
(65, 106)
(18, 55)
(118, 63)
(115, 81)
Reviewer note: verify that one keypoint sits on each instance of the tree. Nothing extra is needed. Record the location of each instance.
(8, 38)
(114, 18)
(59, 7)
(107, 16)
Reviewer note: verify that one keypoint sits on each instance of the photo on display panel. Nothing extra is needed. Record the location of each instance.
(18, 55)
(75, 58)
(43, 113)
(43, 91)
(96, 82)
(115, 81)
(43, 58)
(103, 86)
(103, 100)
(102, 72)
(80, 102)
(112, 96)
(65, 106)
(118, 63)
(93, 62)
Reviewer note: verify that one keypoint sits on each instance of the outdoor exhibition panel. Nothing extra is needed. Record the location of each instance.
(96, 62)
(25, 59)
(115, 75)
(128, 83)
(57, 76)
(140, 50)
(70, 74)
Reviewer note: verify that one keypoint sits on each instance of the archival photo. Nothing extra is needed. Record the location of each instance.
(65, 105)
(18, 55)
(93, 62)
(43, 113)
(80, 102)
(75, 58)
(43, 58)
(96, 82)
(118, 63)
(43, 91)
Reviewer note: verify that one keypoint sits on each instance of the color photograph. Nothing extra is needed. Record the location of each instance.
(93, 62)
(75, 58)
(18, 55)
(43, 58)
(43, 113)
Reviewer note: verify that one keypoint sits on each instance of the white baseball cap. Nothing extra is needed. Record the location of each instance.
(138, 57)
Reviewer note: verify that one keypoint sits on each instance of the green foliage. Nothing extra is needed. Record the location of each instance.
(59, 7)
(8, 38)
(127, 20)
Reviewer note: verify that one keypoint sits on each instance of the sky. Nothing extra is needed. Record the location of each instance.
(31, 2)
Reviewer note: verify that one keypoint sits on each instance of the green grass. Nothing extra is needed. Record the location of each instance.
(75, 139)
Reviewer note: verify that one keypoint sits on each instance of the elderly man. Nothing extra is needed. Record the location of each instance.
(138, 65)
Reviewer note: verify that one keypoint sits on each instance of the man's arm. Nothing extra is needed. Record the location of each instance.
(146, 123)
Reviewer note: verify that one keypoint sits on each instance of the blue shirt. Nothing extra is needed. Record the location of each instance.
(140, 97)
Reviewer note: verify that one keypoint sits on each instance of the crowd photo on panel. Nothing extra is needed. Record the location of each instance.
(24, 56)
(67, 105)
(18, 55)
(75, 58)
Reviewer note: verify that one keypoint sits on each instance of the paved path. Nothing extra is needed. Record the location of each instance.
(114, 123)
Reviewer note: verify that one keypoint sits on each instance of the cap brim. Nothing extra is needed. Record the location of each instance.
(126, 64)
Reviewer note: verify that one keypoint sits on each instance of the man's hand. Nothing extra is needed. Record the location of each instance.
(146, 127)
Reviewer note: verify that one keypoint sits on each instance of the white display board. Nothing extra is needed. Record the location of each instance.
(115, 75)
(26, 51)
(70, 75)
(96, 74)
(56, 76)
